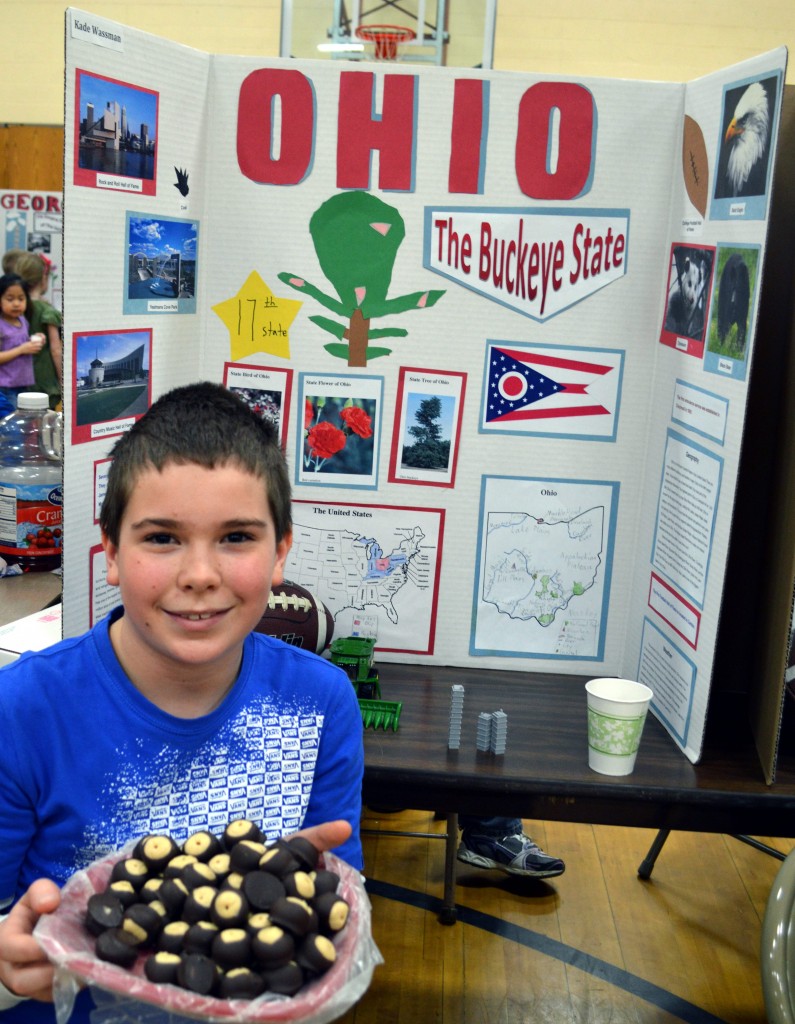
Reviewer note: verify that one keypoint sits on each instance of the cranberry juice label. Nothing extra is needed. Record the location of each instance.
(30, 521)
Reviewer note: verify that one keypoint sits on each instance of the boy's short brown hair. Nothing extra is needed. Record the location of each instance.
(205, 424)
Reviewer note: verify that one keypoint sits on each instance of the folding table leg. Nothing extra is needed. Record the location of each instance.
(645, 869)
(448, 913)
(647, 866)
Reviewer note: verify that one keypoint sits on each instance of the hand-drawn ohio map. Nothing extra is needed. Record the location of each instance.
(543, 577)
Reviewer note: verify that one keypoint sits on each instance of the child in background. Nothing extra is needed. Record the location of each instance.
(10, 256)
(17, 347)
(43, 318)
(171, 715)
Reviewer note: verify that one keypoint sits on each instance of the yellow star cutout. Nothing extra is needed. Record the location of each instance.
(257, 320)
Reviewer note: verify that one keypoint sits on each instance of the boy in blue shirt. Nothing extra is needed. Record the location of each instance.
(170, 715)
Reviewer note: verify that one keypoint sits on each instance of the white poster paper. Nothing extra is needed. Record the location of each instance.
(326, 238)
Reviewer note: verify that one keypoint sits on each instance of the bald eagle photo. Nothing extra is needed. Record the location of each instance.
(745, 140)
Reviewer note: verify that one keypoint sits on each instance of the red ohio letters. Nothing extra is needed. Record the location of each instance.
(564, 109)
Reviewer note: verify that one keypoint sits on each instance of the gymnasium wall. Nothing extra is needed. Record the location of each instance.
(675, 41)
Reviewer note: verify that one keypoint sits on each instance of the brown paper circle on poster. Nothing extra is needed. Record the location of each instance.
(695, 165)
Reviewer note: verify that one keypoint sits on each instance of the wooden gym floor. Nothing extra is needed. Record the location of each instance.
(595, 945)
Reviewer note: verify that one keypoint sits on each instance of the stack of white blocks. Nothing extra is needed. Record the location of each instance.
(456, 715)
(484, 730)
(499, 732)
(492, 731)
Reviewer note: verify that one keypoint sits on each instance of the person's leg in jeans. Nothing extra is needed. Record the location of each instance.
(501, 843)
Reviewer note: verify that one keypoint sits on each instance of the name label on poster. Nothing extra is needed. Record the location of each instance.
(96, 30)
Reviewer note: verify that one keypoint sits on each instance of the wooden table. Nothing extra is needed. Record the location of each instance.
(544, 772)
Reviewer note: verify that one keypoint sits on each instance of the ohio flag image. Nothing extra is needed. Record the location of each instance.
(552, 389)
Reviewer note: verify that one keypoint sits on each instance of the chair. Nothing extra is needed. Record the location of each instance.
(777, 952)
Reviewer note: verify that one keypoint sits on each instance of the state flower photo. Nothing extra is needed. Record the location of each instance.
(338, 436)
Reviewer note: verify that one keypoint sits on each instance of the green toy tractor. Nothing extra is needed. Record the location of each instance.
(354, 654)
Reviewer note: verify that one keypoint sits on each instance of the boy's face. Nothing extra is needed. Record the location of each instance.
(195, 560)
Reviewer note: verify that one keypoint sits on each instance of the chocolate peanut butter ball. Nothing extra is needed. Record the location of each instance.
(221, 865)
(116, 946)
(202, 845)
(278, 860)
(262, 889)
(272, 947)
(239, 829)
(196, 874)
(285, 981)
(234, 880)
(300, 884)
(332, 912)
(256, 921)
(130, 869)
(229, 909)
(306, 854)
(241, 983)
(156, 851)
(244, 856)
(172, 937)
(125, 891)
(104, 910)
(162, 967)
(150, 890)
(177, 865)
(294, 915)
(325, 881)
(316, 954)
(199, 937)
(232, 948)
(173, 893)
(143, 922)
(198, 973)
(198, 902)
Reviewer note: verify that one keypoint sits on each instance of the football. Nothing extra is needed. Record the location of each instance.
(297, 617)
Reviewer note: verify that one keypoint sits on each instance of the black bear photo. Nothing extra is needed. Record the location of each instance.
(734, 296)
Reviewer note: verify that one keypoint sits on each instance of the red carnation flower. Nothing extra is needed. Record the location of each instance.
(309, 413)
(325, 440)
(358, 421)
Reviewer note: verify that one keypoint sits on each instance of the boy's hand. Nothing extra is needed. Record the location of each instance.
(24, 969)
(328, 835)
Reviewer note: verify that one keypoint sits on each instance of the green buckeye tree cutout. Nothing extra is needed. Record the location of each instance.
(356, 237)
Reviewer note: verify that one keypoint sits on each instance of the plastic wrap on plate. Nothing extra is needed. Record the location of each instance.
(119, 992)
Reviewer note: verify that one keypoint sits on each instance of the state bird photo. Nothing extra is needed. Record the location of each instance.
(744, 147)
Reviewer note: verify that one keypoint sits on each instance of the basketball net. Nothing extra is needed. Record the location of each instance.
(387, 38)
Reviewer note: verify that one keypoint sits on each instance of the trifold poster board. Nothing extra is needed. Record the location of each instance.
(505, 325)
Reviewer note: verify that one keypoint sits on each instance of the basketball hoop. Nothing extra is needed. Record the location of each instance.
(387, 39)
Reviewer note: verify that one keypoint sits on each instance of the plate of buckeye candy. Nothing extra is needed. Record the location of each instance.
(216, 927)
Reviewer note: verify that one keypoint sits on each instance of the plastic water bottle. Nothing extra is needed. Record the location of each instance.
(31, 485)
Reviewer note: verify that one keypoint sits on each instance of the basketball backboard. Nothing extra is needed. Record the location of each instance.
(459, 33)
